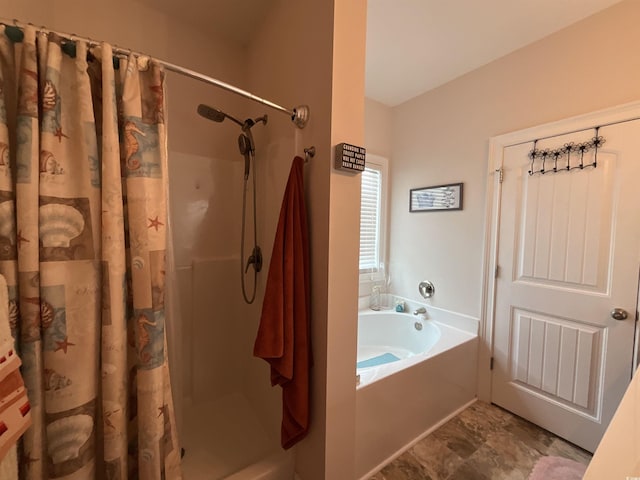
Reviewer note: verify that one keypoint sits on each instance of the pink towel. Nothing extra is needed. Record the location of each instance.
(283, 334)
(15, 416)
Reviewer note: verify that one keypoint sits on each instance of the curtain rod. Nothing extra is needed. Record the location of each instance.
(299, 114)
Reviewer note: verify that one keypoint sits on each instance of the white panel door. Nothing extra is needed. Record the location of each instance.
(568, 250)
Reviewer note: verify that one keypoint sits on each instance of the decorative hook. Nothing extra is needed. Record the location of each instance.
(556, 155)
(309, 153)
(568, 148)
(532, 155)
(545, 153)
(597, 143)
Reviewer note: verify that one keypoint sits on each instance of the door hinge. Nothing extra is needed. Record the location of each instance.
(500, 173)
(491, 364)
(497, 272)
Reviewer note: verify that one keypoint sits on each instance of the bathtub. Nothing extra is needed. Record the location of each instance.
(413, 374)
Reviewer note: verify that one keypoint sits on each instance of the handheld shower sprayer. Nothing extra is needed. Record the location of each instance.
(245, 144)
(247, 150)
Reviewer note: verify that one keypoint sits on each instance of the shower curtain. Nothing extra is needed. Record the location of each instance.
(82, 245)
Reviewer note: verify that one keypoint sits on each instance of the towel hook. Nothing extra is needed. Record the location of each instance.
(309, 153)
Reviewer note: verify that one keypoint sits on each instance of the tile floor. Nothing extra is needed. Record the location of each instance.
(484, 442)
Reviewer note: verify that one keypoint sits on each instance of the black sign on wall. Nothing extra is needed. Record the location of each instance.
(350, 157)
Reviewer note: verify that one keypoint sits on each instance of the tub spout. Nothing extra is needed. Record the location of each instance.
(419, 310)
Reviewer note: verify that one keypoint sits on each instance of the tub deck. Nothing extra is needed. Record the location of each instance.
(450, 338)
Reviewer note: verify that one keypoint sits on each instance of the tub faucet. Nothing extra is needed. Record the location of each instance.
(419, 310)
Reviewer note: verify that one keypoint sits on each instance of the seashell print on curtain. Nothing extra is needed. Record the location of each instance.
(82, 246)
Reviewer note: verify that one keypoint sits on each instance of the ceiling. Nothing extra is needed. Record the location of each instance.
(416, 45)
(412, 45)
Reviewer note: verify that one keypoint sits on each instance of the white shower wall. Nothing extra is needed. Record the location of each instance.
(204, 214)
(216, 366)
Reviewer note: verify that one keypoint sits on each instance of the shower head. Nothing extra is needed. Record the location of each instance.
(210, 113)
(216, 115)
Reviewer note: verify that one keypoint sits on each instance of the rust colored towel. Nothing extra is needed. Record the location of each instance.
(283, 334)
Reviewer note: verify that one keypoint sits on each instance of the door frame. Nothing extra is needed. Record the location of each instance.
(497, 144)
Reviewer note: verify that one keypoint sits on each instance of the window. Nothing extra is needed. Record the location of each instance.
(372, 216)
(370, 220)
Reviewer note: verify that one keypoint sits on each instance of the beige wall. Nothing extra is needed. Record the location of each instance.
(347, 125)
(378, 128)
(442, 137)
(285, 79)
(321, 63)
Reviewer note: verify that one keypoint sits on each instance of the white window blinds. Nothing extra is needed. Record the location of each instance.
(370, 212)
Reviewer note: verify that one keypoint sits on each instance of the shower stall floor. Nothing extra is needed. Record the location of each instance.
(224, 439)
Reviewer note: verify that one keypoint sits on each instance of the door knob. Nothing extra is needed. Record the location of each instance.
(619, 314)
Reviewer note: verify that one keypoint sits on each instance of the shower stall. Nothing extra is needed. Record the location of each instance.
(228, 413)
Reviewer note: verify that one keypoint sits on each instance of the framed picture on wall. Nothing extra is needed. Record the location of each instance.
(438, 197)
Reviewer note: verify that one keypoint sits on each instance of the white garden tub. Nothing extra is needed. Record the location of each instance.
(415, 372)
